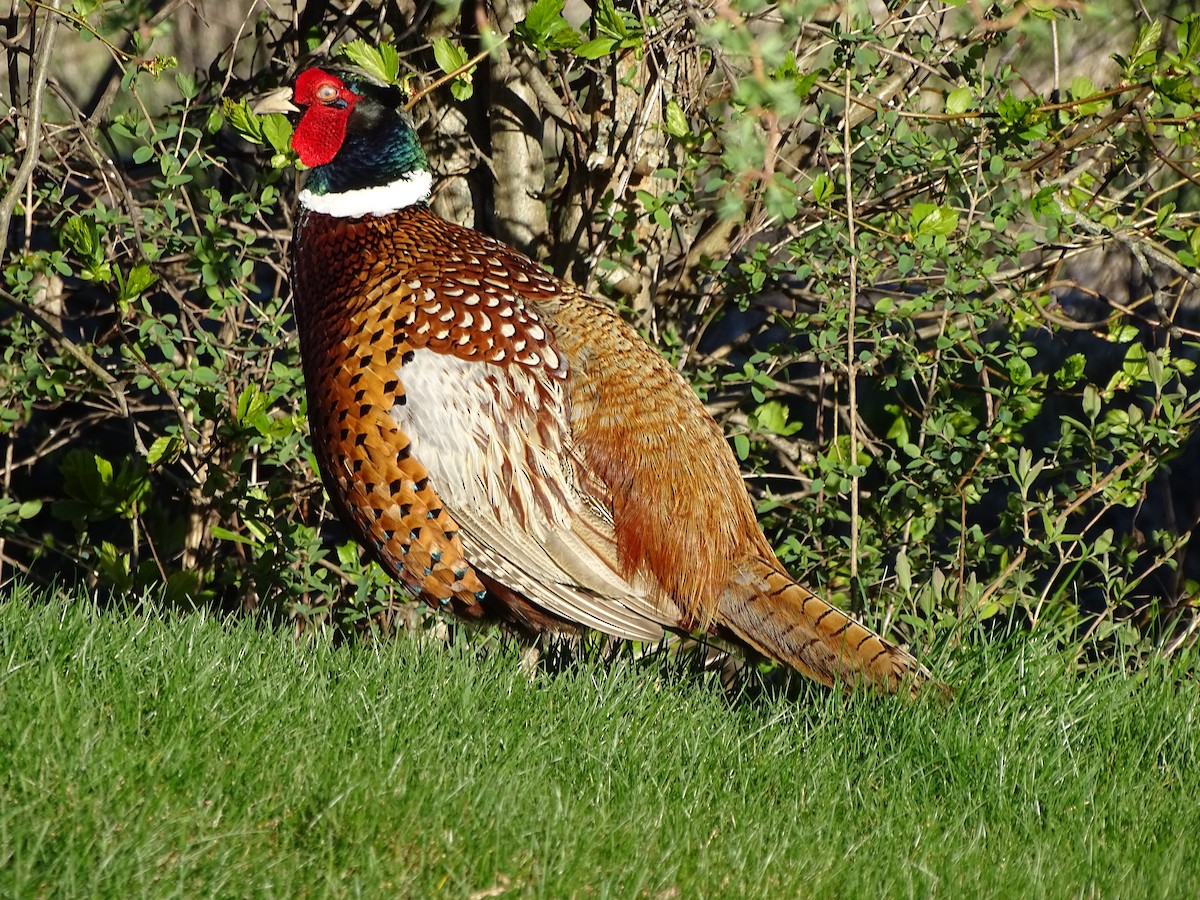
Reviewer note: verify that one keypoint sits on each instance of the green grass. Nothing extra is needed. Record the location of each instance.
(143, 752)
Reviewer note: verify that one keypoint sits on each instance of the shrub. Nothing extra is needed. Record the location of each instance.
(939, 291)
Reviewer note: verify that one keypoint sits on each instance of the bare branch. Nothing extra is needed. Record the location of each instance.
(33, 130)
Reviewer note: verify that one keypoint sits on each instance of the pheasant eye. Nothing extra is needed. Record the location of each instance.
(326, 93)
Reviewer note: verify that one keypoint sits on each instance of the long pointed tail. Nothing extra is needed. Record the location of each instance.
(788, 623)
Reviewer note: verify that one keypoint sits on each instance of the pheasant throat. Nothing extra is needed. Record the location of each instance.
(379, 200)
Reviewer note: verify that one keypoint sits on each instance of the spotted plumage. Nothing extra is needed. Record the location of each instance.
(503, 443)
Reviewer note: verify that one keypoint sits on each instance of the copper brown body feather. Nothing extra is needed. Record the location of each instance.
(506, 445)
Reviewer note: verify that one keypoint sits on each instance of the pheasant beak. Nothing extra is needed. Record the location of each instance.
(276, 101)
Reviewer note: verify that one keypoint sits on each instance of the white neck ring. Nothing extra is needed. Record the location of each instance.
(381, 200)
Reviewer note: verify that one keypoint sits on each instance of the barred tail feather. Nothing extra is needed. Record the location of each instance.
(789, 624)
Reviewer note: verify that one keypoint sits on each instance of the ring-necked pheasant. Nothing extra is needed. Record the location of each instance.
(503, 443)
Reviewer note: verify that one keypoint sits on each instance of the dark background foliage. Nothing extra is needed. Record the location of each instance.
(1004, 197)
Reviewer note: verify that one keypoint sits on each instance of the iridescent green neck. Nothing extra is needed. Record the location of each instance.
(379, 149)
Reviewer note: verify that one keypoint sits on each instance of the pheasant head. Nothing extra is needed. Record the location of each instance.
(359, 144)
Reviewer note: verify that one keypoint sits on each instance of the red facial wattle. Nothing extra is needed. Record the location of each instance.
(327, 104)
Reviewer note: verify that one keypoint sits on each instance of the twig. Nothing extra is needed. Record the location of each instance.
(465, 67)
(8, 461)
(1096, 487)
(71, 347)
(851, 367)
(33, 129)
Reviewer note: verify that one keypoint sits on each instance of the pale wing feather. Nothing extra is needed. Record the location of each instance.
(523, 565)
(509, 488)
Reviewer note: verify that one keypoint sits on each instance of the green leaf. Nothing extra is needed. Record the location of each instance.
(822, 187)
(159, 449)
(83, 237)
(114, 565)
(382, 61)
(772, 417)
(623, 26)
(1071, 371)
(131, 287)
(1135, 363)
(448, 55)
(1082, 86)
(543, 17)
(252, 410)
(596, 48)
(903, 571)
(959, 100)
(11, 510)
(243, 120)
(929, 218)
(990, 609)
(1091, 402)
(610, 20)
(676, 122)
(85, 475)
(741, 446)
(205, 375)
(348, 555)
(545, 29)
(224, 534)
(1147, 38)
(1145, 48)
(1122, 333)
(1187, 38)
(277, 130)
(186, 82)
